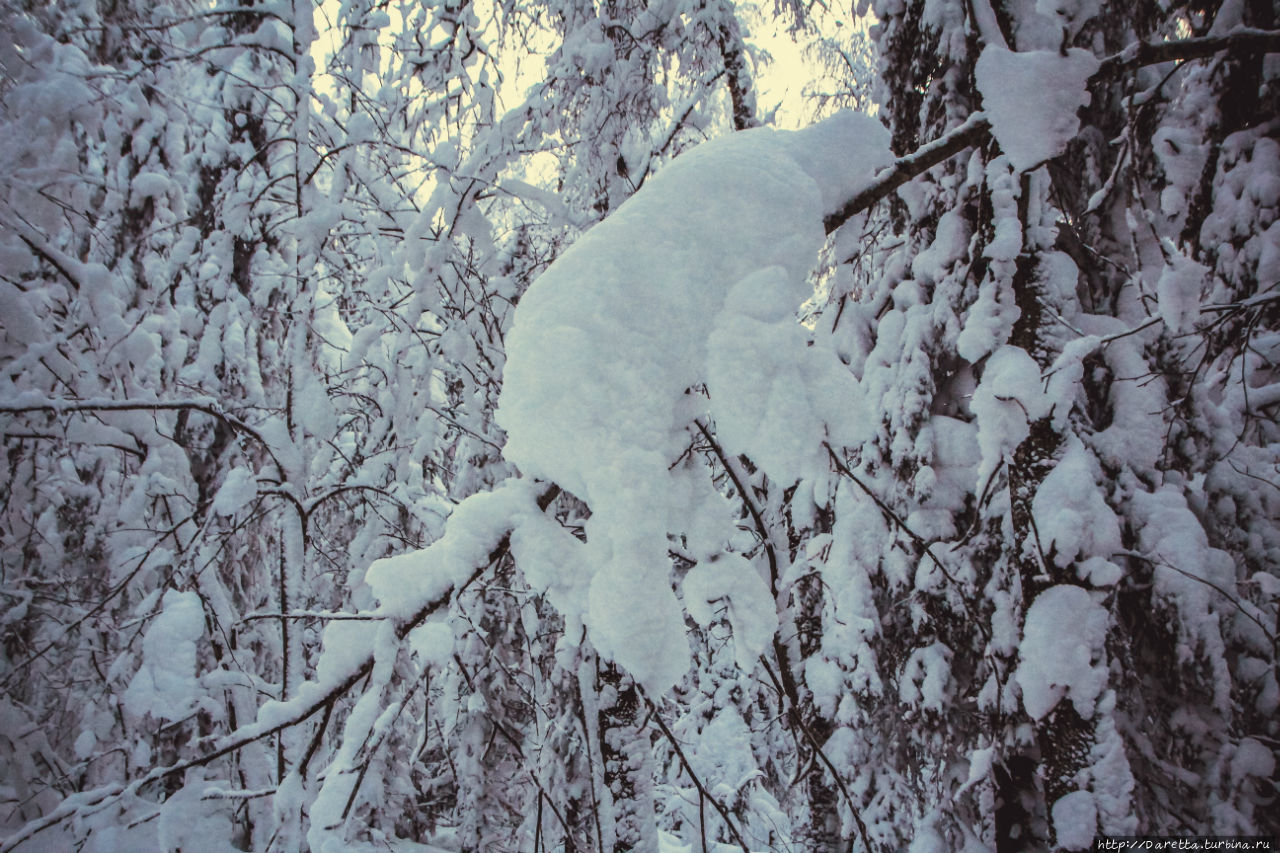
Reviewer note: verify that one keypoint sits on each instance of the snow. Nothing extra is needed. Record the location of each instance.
(1075, 821)
(1136, 433)
(1178, 292)
(926, 677)
(238, 489)
(148, 185)
(165, 685)
(1186, 570)
(85, 743)
(1252, 758)
(188, 822)
(1061, 650)
(1065, 375)
(433, 644)
(1098, 572)
(1008, 398)
(404, 583)
(1112, 783)
(1182, 156)
(551, 560)
(653, 301)
(950, 240)
(1072, 517)
(1031, 99)
(752, 613)
(20, 323)
(348, 643)
(776, 398)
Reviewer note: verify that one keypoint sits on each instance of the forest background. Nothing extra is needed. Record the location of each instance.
(908, 482)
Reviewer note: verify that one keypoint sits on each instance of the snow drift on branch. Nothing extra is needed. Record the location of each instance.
(607, 343)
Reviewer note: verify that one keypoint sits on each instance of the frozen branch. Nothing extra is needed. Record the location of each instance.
(205, 405)
(1143, 53)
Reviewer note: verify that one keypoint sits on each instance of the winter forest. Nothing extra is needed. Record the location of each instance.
(477, 425)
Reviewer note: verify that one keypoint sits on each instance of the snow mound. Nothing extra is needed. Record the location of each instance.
(1032, 98)
(605, 344)
(1061, 650)
(1071, 514)
(732, 582)
(165, 686)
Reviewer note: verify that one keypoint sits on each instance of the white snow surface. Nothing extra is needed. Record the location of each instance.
(1032, 97)
(1061, 651)
(604, 345)
(165, 685)
(1071, 514)
(1075, 820)
(733, 582)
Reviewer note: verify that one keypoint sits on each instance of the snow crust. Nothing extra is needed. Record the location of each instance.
(1060, 653)
(1032, 98)
(694, 280)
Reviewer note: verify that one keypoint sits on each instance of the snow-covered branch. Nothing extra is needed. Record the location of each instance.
(976, 129)
(973, 131)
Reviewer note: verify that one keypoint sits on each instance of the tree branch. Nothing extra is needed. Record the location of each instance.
(1143, 53)
(206, 405)
(697, 783)
(976, 129)
(302, 710)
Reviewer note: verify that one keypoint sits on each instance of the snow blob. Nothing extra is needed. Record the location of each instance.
(646, 306)
(1032, 98)
(1060, 655)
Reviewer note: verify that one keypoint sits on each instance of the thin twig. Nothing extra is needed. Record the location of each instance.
(697, 783)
